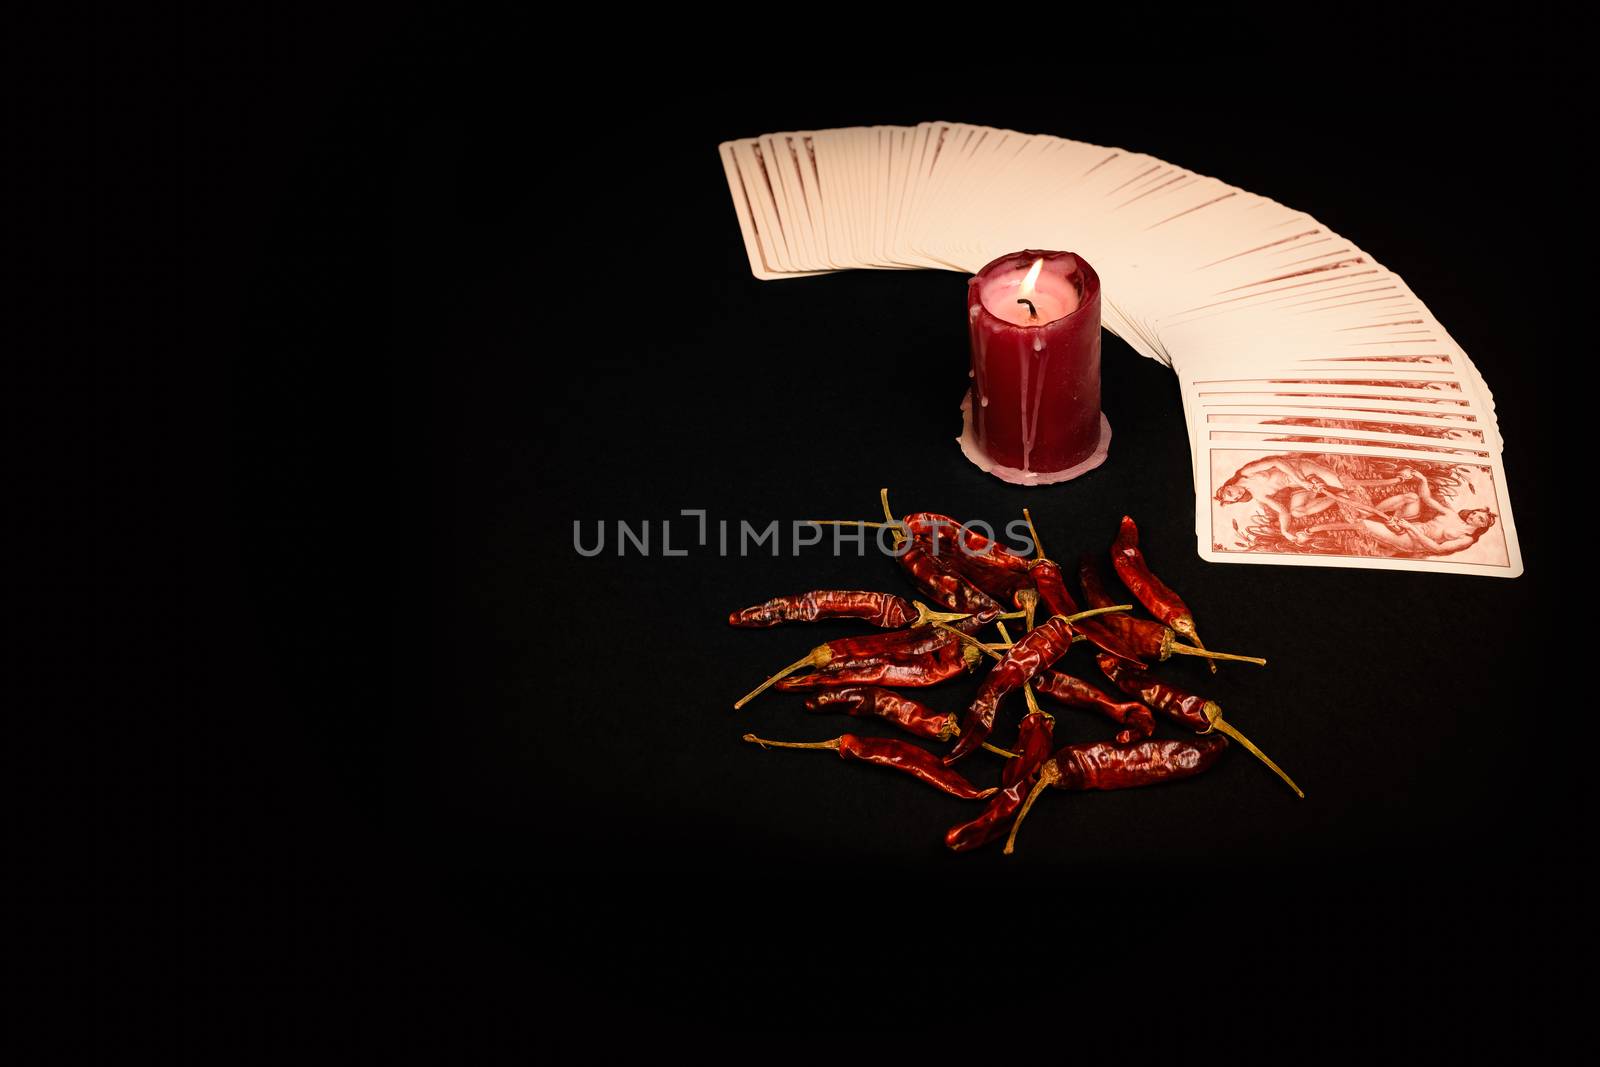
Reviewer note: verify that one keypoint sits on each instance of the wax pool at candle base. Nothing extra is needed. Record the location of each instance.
(1033, 416)
(974, 451)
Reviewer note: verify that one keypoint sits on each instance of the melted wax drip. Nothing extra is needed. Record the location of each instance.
(1038, 389)
(1027, 432)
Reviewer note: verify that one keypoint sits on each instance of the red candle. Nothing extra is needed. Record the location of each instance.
(1032, 415)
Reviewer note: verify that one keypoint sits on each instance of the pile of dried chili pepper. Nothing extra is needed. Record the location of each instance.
(966, 583)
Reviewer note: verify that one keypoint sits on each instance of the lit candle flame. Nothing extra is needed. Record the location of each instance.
(1033, 276)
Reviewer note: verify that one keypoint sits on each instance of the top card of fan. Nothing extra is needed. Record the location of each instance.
(1357, 507)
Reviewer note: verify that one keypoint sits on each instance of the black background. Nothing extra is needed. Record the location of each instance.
(459, 314)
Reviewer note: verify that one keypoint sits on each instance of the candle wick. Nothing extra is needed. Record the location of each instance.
(1033, 312)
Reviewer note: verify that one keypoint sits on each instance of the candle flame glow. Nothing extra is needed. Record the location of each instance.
(1033, 277)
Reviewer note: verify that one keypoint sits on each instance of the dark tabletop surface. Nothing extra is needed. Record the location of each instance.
(470, 321)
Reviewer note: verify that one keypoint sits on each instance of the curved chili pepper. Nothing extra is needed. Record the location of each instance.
(1136, 718)
(884, 610)
(889, 752)
(896, 645)
(1053, 591)
(1000, 581)
(1032, 748)
(929, 524)
(1146, 638)
(930, 668)
(939, 580)
(1047, 578)
(985, 563)
(903, 712)
(1150, 591)
(1184, 708)
(905, 646)
(1143, 639)
(1033, 652)
(1099, 765)
(1151, 640)
(932, 528)
(1095, 593)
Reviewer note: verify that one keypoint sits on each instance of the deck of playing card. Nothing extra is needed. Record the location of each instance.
(1332, 420)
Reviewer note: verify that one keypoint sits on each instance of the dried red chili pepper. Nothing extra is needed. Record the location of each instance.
(1153, 641)
(1149, 590)
(890, 706)
(1184, 708)
(903, 712)
(907, 645)
(943, 585)
(1100, 765)
(1052, 589)
(888, 752)
(985, 563)
(1032, 653)
(1033, 746)
(1000, 582)
(969, 555)
(1135, 718)
(1145, 639)
(898, 644)
(1090, 581)
(884, 610)
(929, 668)
(929, 524)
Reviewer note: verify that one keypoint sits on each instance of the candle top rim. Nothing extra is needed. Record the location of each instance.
(1089, 293)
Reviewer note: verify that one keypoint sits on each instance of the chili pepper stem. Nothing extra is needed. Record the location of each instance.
(1218, 723)
(969, 639)
(1068, 618)
(889, 519)
(809, 660)
(998, 751)
(1030, 603)
(1046, 776)
(1184, 625)
(849, 522)
(891, 522)
(1092, 612)
(926, 615)
(1002, 645)
(764, 743)
(1027, 689)
(1185, 650)
(1038, 546)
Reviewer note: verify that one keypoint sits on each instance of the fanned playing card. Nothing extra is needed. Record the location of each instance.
(1332, 419)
